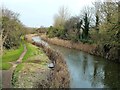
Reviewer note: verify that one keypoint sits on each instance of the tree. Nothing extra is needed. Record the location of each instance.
(12, 29)
(97, 6)
(62, 16)
(87, 17)
(86, 26)
(90, 14)
(59, 22)
(108, 21)
(109, 12)
(73, 25)
(79, 34)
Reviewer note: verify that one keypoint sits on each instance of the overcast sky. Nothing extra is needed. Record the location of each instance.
(36, 13)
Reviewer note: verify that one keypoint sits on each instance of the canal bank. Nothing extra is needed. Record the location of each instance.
(59, 75)
(110, 52)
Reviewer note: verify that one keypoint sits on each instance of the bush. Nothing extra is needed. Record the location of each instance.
(51, 32)
(56, 32)
(73, 38)
(87, 41)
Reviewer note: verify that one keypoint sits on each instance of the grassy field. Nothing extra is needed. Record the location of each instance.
(10, 56)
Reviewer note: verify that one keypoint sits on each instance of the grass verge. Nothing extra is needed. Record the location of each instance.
(34, 61)
(16, 74)
(34, 54)
(5, 66)
(10, 56)
(31, 51)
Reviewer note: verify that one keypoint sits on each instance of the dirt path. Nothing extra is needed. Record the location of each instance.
(7, 74)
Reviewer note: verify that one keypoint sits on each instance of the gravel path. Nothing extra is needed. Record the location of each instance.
(7, 74)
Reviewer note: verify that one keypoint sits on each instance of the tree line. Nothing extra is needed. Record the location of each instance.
(96, 23)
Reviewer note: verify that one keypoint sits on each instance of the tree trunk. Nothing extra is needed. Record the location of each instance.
(97, 22)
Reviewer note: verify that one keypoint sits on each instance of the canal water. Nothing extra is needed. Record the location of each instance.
(88, 71)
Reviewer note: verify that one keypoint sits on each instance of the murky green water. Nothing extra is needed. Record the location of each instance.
(88, 71)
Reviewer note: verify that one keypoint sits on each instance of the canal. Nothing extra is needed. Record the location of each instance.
(88, 71)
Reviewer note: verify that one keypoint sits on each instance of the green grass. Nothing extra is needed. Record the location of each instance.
(31, 51)
(5, 66)
(19, 67)
(16, 73)
(35, 54)
(10, 56)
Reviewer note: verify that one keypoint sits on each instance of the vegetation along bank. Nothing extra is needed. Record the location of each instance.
(59, 75)
(110, 52)
(95, 30)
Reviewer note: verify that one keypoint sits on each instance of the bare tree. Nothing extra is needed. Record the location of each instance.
(70, 24)
(61, 17)
(90, 11)
(109, 11)
(97, 6)
(108, 15)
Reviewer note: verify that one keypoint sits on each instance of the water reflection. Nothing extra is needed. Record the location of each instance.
(88, 71)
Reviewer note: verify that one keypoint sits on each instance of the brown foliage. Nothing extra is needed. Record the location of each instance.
(66, 43)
